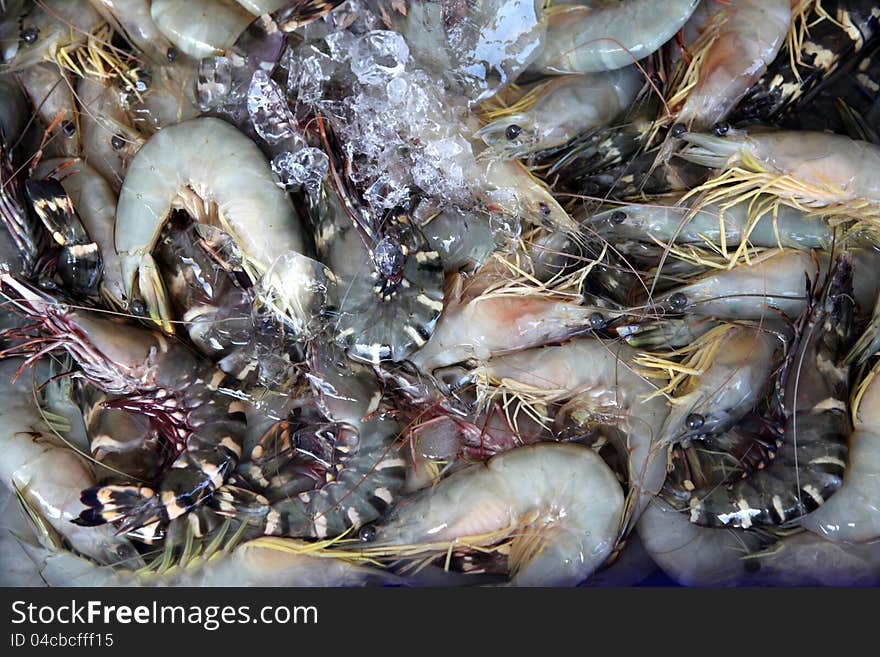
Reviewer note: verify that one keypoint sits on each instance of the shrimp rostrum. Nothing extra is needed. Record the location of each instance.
(155, 376)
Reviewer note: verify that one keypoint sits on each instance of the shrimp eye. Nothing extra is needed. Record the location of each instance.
(694, 421)
(544, 208)
(678, 130)
(513, 131)
(47, 283)
(172, 54)
(678, 300)
(117, 142)
(138, 308)
(721, 129)
(618, 217)
(68, 128)
(30, 34)
(367, 534)
(596, 321)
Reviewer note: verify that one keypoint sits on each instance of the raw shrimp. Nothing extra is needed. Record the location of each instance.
(710, 556)
(389, 285)
(51, 31)
(132, 19)
(558, 110)
(51, 94)
(853, 513)
(808, 467)
(491, 324)
(814, 170)
(771, 285)
(95, 202)
(744, 38)
(364, 480)
(694, 555)
(169, 98)
(665, 221)
(597, 376)
(156, 376)
(48, 476)
(219, 176)
(729, 387)
(200, 28)
(560, 503)
(837, 34)
(109, 142)
(603, 36)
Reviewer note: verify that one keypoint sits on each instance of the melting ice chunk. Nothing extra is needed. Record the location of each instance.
(378, 56)
(269, 110)
(307, 167)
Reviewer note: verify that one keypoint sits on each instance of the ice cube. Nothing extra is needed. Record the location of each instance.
(271, 115)
(378, 56)
(306, 167)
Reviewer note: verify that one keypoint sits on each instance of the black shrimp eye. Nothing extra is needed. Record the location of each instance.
(172, 54)
(678, 130)
(694, 421)
(596, 321)
(513, 131)
(678, 300)
(47, 283)
(721, 129)
(138, 308)
(544, 208)
(68, 128)
(618, 217)
(30, 34)
(367, 534)
(117, 142)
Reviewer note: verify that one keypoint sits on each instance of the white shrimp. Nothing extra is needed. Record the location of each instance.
(217, 174)
(109, 141)
(852, 514)
(170, 97)
(744, 38)
(52, 97)
(200, 28)
(598, 376)
(51, 31)
(49, 477)
(603, 36)
(560, 502)
(491, 324)
(666, 221)
(560, 109)
(814, 170)
(95, 203)
(727, 389)
(770, 285)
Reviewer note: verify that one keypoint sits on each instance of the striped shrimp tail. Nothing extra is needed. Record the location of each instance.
(133, 506)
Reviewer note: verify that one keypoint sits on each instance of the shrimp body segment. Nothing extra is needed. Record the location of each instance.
(604, 36)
